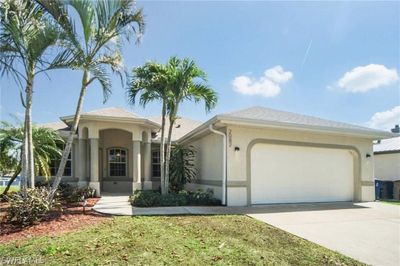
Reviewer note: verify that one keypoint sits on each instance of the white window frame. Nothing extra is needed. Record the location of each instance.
(126, 161)
(152, 163)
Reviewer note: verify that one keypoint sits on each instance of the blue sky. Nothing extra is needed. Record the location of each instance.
(335, 60)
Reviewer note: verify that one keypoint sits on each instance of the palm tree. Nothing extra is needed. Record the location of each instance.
(149, 81)
(172, 83)
(26, 35)
(186, 82)
(104, 25)
(46, 143)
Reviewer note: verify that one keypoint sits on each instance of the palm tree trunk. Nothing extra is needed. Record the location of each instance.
(68, 145)
(12, 179)
(162, 147)
(168, 155)
(30, 174)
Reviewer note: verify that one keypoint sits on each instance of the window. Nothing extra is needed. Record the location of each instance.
(117, 162)
(155, 163)
(54, 164)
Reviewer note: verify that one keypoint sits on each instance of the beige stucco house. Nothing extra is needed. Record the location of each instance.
(252, 156)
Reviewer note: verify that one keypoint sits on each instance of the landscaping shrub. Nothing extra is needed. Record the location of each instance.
(31, 209)
(149, 198)
(182, 167)
(71, 193)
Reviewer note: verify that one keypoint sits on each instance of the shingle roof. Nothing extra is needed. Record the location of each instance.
(182, 126)
(111, 112)
(385, 145)
(272, 115)
(59, 125)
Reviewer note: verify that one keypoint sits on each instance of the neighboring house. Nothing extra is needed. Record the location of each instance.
(387, 159)
(252, 156)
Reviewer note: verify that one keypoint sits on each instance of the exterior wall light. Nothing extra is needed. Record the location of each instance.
(368, 155)
(237, 148)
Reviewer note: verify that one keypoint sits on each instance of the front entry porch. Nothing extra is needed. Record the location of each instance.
(115, 160)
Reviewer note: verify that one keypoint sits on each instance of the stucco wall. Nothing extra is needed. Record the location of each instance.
(241, 137)
(209, 163)
(387, 166)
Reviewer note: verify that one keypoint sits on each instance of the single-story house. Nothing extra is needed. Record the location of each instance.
(252, 156)
(387, 159)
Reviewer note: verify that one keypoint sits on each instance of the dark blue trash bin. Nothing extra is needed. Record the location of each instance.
(383, 189)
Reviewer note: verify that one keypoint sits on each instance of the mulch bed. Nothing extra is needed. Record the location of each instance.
(71, 218)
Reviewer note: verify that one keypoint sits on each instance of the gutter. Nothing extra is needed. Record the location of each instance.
(224, 163)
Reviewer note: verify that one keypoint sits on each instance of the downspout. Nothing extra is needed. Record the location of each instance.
(224, 177)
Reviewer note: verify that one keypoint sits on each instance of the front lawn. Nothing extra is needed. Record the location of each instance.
(237, 240)
(12, 189)
(394, 202)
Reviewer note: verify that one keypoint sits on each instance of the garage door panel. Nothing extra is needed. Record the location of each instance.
(285, 174)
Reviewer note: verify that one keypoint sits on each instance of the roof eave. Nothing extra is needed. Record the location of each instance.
(148, 122)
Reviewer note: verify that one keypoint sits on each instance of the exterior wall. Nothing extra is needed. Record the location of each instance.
(115, 138)
(209, 163)
(387, 166)
(244, 137)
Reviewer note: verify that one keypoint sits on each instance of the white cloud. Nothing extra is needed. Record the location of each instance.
(365, 78)
(268, 85)
(385, 120)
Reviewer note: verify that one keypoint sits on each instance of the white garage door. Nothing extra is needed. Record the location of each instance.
(288, 174)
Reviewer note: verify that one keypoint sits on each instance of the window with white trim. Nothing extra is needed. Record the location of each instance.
(155, 163)
(117, 159)
(55, 163)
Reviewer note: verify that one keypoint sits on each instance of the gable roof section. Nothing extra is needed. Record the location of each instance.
(182, 126)
(387, 145)
(59, 125)
(267, 117)
(113, 114)
(272, 115)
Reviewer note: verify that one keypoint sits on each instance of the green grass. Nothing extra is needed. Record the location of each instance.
(394, 202)
(12, 189)
(222, 240)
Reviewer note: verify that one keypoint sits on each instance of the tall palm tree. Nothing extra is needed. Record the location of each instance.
(172, 83)
(186, 83)
(104, 24)
(46, 143)
(149, 81)
(26, 36)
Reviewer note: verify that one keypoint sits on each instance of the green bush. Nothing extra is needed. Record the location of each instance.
(71, 193)
(31, 209)
(149, 198)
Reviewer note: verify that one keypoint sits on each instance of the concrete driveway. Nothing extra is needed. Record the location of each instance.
(368, 232)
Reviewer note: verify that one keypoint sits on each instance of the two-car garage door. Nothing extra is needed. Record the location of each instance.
(289, 174)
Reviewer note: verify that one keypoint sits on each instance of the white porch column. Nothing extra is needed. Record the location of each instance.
(147, 165)
(94, 165)
(137, 162)
(82, 161)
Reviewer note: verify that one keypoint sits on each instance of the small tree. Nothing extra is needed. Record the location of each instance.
(46, 144)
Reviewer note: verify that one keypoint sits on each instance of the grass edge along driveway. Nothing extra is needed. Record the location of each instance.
(229, 239)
